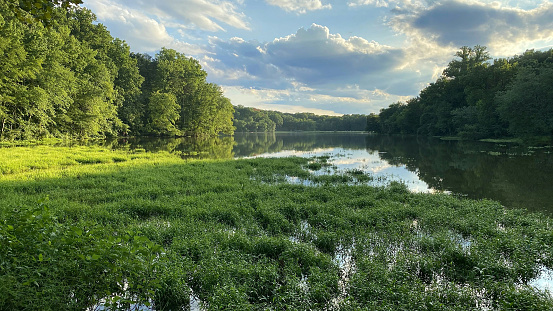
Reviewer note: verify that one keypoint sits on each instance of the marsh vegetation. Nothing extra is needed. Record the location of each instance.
(126, 227)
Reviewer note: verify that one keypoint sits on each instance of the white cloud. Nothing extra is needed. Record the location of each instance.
(311, 56)
(149, 25)
(504, 29)
(184, 14)
(377, 3)
(393, 4)
(314, 68)
(203, 14)
(318, 101)
(404, 5)
(132, 25)
(268, 99)
(299, 6)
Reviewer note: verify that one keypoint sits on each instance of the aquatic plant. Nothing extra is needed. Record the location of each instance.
(236, 235)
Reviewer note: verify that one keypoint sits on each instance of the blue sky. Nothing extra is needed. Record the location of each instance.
(325, 56)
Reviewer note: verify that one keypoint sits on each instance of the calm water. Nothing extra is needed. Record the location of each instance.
(515, 175)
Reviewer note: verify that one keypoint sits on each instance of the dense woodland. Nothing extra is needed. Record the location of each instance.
(255, 120)
(64, 75)
(476, 98)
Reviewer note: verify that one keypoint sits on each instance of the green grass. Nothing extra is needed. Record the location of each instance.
(236, 236)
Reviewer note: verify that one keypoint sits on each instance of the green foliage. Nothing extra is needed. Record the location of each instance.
(256, 120)
(65, 75)
(527, 104)
(42, 10)
(164, 113)
(59, 84)
(237, 236)
(49, 264)
(201, 108)
(476, 99)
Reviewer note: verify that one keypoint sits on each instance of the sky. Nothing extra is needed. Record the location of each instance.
(325, 56)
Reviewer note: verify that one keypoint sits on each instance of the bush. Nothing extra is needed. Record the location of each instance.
(46, 264)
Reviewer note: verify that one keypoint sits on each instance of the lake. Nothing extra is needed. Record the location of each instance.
(515, 175)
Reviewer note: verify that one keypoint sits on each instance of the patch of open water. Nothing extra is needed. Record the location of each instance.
(343, 160)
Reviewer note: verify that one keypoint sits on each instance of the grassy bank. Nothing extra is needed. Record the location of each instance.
(156, 229)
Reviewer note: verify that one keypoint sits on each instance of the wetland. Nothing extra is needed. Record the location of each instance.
(170, 226)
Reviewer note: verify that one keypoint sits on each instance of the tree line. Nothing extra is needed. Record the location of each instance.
(478, 98)
(248, 119)
(64, 75)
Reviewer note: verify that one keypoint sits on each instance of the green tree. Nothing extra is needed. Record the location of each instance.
(470, 58)
(373, 123)
(163, 112)
(224, 114)
(180, 76)
(134, 110)
(461, 102)
(203, 110)
(73, 78)
(42, 10)
(527, 104)
(115, 55)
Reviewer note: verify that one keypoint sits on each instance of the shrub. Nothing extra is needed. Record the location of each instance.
(46, 264)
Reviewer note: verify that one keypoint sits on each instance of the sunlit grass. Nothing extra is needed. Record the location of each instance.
(22, 162)
(238, 237)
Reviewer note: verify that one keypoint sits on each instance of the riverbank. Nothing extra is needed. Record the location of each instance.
(237, 236)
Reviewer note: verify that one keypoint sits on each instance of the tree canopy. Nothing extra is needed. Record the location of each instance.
(478, 98)
(256, 120)
(42, 10)
(72, 78)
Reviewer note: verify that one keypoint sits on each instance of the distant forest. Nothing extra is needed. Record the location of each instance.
(476, 98)
(256, 120)
(64, 75)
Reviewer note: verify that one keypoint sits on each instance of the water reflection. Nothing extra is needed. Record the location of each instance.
(186, 147)
(251, 144)
(515, 175)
